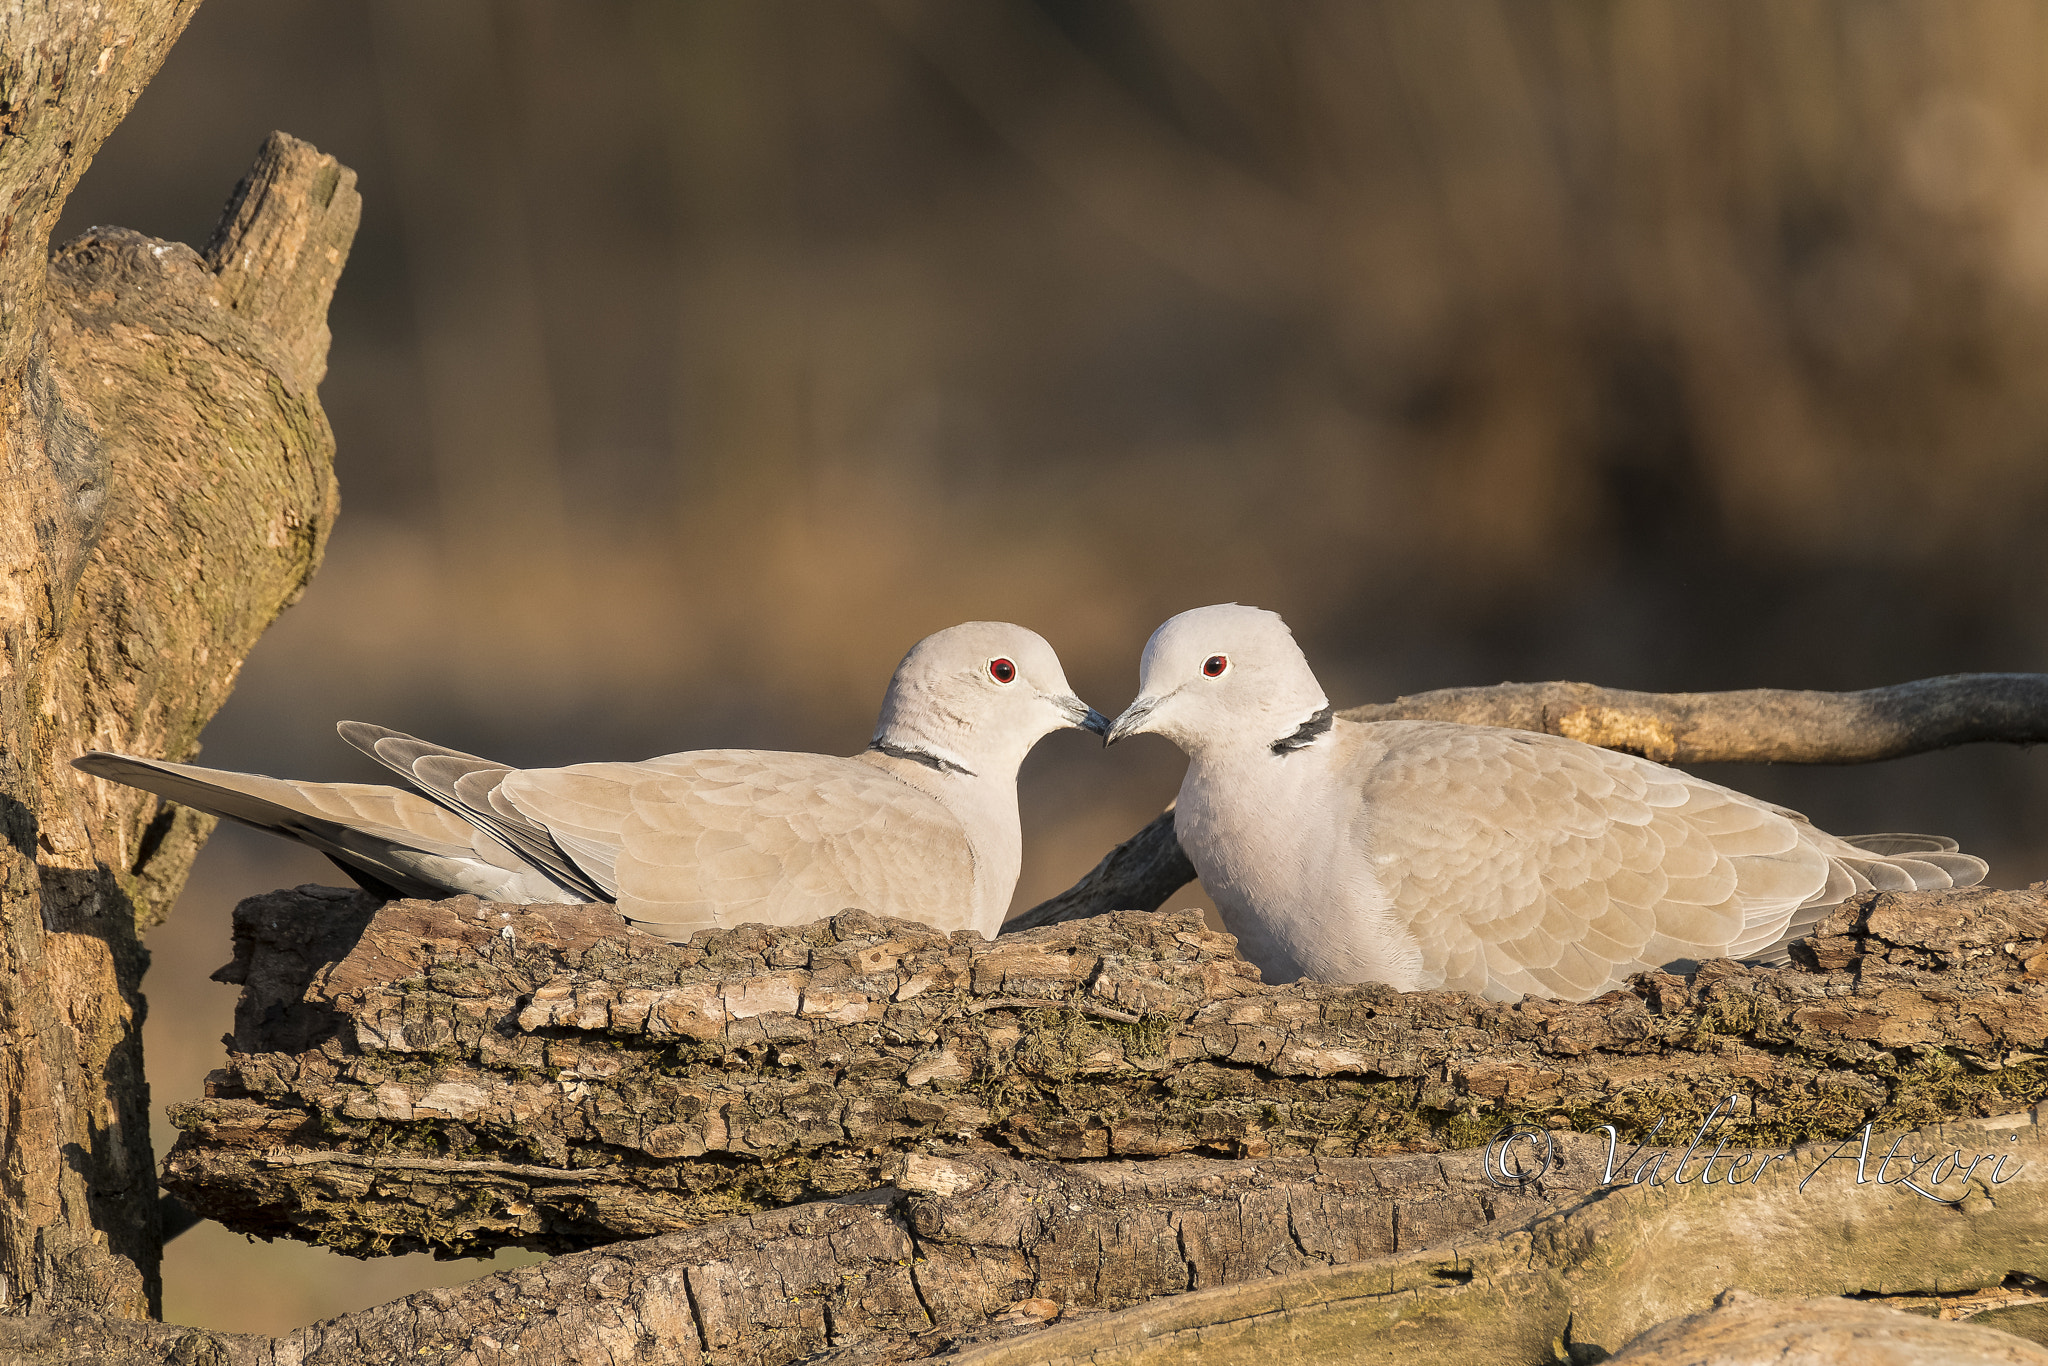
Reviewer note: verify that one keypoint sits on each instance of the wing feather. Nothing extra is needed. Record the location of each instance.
(728, 837)
(464, 784)
(1525, 862)
(1561, 868)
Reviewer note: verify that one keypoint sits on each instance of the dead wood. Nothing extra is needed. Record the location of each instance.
(1011, 1261)
(1755, 726)
(963, 1249)
(1743, 1327)
(471, 1075)
(1137, 875)
(1580, 1282)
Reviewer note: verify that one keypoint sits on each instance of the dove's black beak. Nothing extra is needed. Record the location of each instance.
(1081, 715)
(1132, 722)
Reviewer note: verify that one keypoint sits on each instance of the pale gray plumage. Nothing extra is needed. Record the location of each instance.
(923, 825)
(1428, 854)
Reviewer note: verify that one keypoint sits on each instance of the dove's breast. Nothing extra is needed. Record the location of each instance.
(1278, 844)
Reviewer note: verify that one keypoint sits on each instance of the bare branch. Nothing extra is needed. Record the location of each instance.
(1754, 726)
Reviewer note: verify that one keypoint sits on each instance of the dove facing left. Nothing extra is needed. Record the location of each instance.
(922, 825)
(1430, 855)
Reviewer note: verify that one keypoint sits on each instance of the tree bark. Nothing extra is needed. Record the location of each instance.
(1755, 726)
(1580, 1283)
(169, 488)
(1419, 1259)
(963, 1249)
(469, 1076)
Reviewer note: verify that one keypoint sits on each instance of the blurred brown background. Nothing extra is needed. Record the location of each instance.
(696, 358)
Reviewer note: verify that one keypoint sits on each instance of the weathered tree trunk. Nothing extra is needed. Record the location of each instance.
(472, 1075)
(166, 488)
(1754, 726)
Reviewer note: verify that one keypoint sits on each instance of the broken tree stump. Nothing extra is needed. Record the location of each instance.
(470, 1075)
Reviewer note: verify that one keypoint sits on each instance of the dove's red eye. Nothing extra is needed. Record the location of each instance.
(1214, 665)
(1002, 671)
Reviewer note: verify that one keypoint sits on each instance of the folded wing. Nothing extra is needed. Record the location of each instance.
(1533, 864)
(469, 787)
(728, 837)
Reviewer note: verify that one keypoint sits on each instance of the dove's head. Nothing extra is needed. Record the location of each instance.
(1225, 676)
(977, 697)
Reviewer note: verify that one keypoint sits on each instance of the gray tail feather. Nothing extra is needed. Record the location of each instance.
(1929, 862)
(466, 785)
(1898, 862)
(269, 804)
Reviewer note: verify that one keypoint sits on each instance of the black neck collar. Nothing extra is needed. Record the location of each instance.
(1307, 733)
(920, 756)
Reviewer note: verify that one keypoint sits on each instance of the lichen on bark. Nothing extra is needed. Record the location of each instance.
(464, 1075)
(169, 487)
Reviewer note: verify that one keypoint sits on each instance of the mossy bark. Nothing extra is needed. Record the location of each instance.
(168, 491)
(1419, 1259)
(471, 1075)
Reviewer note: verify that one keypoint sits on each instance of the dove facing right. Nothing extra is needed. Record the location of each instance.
(923, 825)
(1428, 854)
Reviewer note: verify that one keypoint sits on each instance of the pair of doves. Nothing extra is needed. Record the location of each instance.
(1422, 854)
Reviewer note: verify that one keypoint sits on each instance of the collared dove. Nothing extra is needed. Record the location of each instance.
(1428, 854)
(923, 825)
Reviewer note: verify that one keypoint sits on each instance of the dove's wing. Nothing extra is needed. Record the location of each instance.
(468, 786)
(1530, 863)
(392, 841)
(729, 837)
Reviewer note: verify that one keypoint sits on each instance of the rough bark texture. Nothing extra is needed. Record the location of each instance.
(472, 1075)
(1420, 1259)
(1579, 1283)
(1756, 726)
(1743, 1328)
(961, 1249)
(168, 490)
(69, 72)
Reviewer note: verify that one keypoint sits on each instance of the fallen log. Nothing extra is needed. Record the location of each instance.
(1581, 1282)
(469, 1075)
(994, 1260)
(1752, 726)
(1742, 1327)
